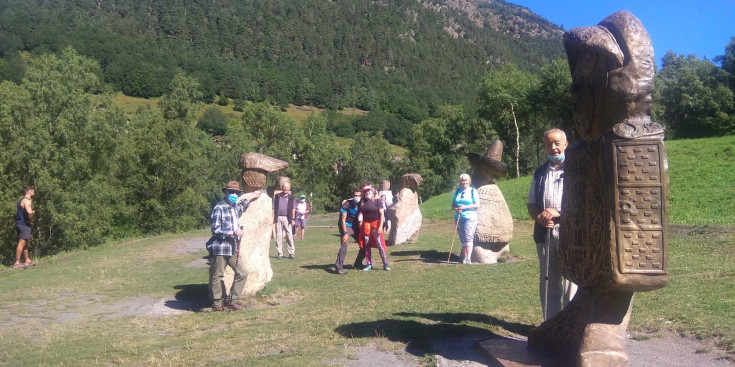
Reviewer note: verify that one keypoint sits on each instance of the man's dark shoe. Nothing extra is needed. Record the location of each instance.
(290, 256)
(341, 271)
(218, 308)
(358, 266)
(234, 307)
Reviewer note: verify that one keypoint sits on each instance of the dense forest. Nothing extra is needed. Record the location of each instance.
(437, 78)
(332, 54)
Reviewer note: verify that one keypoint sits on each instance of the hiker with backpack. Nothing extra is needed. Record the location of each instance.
(465, 203)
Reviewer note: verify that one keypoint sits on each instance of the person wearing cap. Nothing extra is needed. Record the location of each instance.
(302, 210)
(223, 246)
(465, 203)
(371, 218)
(283, 218)
(544, 206)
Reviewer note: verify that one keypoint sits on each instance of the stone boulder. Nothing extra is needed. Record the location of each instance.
(256, 223)
(494, 226)
(405, 215)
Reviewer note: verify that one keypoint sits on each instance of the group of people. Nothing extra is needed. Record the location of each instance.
(363, 218)
(365, 222)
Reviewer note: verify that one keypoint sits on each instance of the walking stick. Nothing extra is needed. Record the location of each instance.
(546, 278)
(237, 259)
(453, 237)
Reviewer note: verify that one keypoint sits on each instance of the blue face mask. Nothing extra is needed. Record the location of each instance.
(232, 198)
(555, 159)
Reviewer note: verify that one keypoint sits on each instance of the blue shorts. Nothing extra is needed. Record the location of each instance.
(300, 222)
(24, 231)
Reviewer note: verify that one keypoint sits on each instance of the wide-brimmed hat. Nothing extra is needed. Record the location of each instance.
(232, 186)
(490, 164)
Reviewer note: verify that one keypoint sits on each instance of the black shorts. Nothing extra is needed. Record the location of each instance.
(24, 232)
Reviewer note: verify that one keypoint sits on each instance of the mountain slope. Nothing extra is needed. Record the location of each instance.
(354, 53)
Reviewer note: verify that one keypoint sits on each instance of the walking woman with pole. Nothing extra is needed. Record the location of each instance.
(465, 204)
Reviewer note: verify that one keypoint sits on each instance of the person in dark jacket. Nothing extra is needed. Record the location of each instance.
(544, 206)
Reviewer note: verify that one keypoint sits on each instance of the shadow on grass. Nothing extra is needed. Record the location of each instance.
(329, 268)
(422, 338)
(427, 256)
(190, 297)
(514, 327)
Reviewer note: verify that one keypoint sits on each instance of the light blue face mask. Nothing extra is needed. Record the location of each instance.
(232, 198)
(555, 159)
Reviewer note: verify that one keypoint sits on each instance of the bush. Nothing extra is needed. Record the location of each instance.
(238, 105)
(213, 121)
(223, 101)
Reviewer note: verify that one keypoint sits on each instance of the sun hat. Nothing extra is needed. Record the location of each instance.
(232, 186)
(302, 197)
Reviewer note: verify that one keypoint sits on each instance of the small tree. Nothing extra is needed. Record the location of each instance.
(238, 105)
(223, 101)
(213, 121)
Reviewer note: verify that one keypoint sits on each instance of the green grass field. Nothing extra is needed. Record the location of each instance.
(94, 307)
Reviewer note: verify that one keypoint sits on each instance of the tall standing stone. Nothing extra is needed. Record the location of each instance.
(256, 223)
(405, 214)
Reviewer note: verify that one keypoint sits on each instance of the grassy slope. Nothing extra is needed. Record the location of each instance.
(701, 172)
(297, 113)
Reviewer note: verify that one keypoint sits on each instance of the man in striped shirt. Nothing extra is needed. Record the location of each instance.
(544, 206)
(223, 246)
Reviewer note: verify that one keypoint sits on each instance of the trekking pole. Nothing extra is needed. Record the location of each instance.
(453, 237)
(237, 259)
(546, 278)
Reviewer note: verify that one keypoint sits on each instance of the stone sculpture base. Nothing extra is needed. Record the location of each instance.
(488, 253)
(494, 226)
(256, 223)
(513, 351)
(590, 330)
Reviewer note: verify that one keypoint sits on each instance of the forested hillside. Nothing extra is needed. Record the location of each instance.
(438, 78)
(356, 53)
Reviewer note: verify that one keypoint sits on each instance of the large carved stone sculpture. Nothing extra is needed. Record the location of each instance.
(613, 230)
(405, 214)
(256, 223)
(494, 222)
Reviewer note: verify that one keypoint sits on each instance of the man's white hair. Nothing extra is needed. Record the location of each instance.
(555, 130)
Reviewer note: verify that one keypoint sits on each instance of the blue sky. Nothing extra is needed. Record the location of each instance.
(702, 27)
